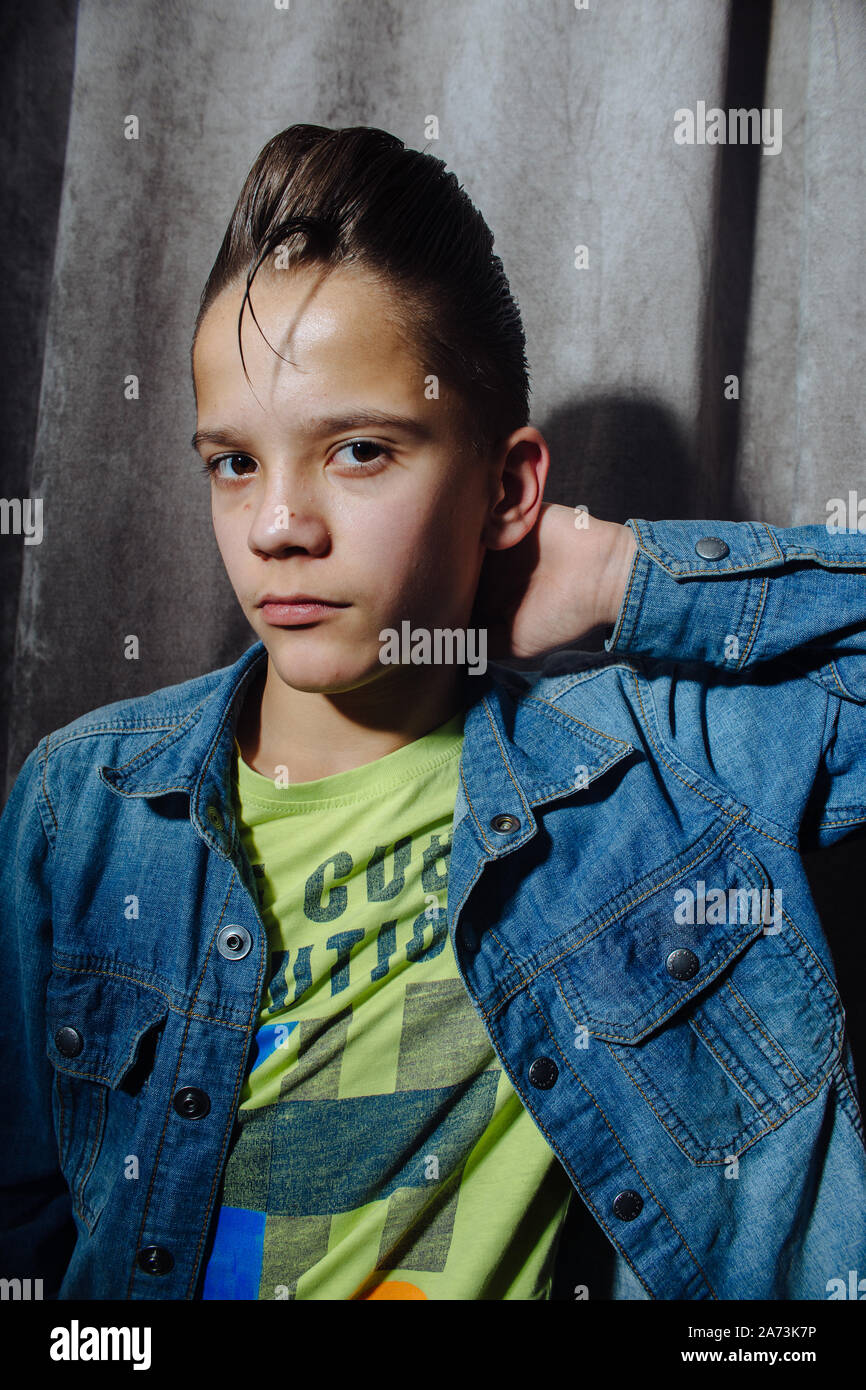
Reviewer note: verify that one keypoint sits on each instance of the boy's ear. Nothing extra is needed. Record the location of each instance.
(518, 476)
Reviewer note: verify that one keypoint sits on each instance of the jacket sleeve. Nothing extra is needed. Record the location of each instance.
(37, 1232)
(731, 595)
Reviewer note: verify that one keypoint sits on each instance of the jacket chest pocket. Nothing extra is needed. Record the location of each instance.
(712, 1004)
(102, 1033)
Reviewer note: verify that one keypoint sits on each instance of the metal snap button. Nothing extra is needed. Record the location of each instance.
(505, 824)
(627, 1205)
(191, 1103)
(682, 964)
(68, 1041)
(234, 942)
(543, 1073)
(712, 548)
(214, 817)
(153, 1259)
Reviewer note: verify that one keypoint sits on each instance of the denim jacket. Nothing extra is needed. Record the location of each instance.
(627, 905)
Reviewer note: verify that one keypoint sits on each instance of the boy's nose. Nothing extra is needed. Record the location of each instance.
(278, 526)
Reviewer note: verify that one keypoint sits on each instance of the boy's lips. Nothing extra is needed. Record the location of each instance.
(295, 609)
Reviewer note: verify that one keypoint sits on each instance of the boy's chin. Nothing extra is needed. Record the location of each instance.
(321, 675)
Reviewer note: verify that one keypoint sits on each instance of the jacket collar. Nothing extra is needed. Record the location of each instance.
(526, 749)
(194, 755)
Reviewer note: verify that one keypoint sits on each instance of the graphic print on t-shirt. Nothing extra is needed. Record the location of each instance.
(380, 1149)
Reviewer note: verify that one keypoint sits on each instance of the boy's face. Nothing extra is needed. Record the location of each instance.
(390, 529)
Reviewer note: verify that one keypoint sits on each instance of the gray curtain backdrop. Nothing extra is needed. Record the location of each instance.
(704, 261)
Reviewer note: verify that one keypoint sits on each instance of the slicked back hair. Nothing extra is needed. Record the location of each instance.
(358, 196)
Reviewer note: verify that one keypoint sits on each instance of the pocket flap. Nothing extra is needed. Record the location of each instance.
(96, 1021)
(666, 942)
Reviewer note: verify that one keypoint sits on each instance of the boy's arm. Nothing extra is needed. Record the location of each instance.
(37, 1232)
(772, 591)
(733, 594)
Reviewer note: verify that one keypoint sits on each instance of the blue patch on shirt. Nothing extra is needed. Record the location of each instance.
(269, 1037)
(235, 1266)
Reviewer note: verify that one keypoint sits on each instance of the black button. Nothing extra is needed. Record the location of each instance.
(682, 964)
(191, 1103)
(712, 548)
(234, 942)
(68, 1041)
(506, 825)
(153, 1259)
(543, 1073)
(627, 1205)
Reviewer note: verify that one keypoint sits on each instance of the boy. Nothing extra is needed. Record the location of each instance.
(344, 971)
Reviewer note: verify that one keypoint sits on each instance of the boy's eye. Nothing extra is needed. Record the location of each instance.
(214, 465)
(366, 457)
(369, 464)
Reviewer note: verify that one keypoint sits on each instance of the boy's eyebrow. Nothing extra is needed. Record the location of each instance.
(329, 424)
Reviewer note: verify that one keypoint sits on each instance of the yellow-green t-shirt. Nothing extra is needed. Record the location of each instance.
(381, 1151)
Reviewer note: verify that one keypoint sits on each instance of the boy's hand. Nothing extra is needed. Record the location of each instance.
(561, 581)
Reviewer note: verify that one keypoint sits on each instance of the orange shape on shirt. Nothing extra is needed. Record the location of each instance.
(395, 1288)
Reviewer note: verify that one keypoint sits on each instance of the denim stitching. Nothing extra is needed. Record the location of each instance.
(745, 810)
(88, 1215)
(167, 1116)
(45, 785)
(143, 984)
(614, 916)
(610, 1126)
(672, 1133)
(783, 1056)
(234, 1108)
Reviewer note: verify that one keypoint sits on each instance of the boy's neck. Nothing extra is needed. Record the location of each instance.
(315, 735)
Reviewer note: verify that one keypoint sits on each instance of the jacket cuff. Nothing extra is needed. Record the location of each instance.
(664, 613)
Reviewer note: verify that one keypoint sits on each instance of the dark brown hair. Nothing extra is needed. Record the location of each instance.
(358, 195)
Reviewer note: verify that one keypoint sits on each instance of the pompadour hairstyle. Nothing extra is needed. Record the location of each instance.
(359, 196)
